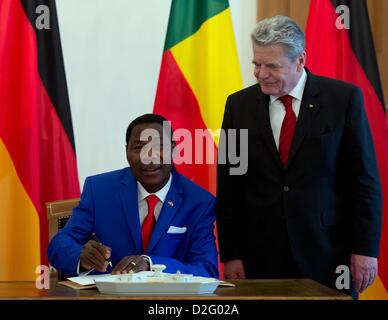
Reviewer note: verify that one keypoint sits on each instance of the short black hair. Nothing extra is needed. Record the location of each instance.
(145, 118)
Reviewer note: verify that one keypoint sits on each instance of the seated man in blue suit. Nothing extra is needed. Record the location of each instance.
(142, 214)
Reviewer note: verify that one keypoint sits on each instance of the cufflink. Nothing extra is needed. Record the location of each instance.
(311, 106)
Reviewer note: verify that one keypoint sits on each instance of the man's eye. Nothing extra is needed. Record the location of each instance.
(272, 66)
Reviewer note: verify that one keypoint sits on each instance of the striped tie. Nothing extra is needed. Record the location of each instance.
(287, 130)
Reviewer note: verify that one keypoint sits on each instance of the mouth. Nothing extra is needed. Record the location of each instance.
(152, 170)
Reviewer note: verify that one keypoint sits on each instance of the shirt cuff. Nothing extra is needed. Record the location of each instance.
(148, 259)
(83, 273)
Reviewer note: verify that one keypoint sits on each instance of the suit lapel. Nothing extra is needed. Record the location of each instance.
(170, 207)
(128, 194)
(265, 126)
(308, 110)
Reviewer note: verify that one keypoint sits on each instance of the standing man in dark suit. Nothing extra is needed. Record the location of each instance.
(311, 198)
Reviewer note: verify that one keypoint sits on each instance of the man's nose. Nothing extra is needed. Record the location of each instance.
(261, 72)
(155, 155)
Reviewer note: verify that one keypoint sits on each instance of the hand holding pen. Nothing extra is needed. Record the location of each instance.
(95, 255)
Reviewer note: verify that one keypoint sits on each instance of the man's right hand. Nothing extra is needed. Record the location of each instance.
(234, 269)
(95, 255)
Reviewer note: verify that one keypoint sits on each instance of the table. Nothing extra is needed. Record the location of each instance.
(276, 289)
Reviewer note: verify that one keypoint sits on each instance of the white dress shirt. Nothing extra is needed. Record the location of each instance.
(142, 194)
(277, 110)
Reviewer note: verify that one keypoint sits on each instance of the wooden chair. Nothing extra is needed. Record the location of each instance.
(58, 213)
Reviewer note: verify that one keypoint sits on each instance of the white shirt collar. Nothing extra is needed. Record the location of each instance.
(297, 91)
(142, 193)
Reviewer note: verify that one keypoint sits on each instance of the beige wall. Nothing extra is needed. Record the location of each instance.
(298, 10)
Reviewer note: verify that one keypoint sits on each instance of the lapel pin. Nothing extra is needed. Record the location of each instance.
(311, 106)
(170, 203)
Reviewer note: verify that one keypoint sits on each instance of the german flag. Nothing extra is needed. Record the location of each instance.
(37, 153)
(340, 45)
(199, 70)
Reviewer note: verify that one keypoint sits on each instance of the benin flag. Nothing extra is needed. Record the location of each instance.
(340, 45)
(37, 157)
(199, 70)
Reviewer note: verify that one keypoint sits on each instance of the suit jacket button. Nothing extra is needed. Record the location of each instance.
(286, 188)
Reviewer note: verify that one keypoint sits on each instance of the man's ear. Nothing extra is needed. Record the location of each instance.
(301, 61)
(173, 145)
(126, 153)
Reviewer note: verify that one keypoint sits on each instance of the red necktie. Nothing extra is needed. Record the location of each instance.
(287, 130)
(149, 221)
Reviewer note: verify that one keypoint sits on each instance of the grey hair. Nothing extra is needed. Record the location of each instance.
(280, 30)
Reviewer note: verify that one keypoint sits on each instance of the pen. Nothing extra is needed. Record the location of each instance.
(94, 237)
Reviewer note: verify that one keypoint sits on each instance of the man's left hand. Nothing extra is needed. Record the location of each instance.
(364, 271)
(131, 263)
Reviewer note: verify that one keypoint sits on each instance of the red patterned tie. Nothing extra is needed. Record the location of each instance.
(287, 130)
(149, 221)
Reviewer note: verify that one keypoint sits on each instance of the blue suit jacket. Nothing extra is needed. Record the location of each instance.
(109, 207)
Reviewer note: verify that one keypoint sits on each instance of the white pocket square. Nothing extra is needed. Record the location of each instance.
(175, 230)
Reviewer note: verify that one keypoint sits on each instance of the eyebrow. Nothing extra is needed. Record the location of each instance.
(139, 141)
(145, 141)
(274, 64)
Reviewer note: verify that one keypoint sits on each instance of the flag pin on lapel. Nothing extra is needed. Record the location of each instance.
(311, 106)
(170, 203)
